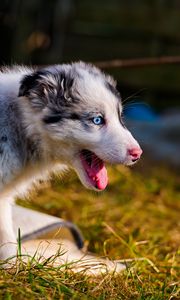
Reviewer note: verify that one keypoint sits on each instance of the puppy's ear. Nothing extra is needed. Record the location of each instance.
(44, 88)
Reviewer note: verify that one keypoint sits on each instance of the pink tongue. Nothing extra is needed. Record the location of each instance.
(99, 173)
(102, 179)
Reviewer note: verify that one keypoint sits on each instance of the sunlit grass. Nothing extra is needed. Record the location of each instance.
(135, 219)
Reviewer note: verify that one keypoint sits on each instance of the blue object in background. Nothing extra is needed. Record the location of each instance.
(140, 112)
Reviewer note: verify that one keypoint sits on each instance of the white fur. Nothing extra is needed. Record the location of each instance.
(60, 145)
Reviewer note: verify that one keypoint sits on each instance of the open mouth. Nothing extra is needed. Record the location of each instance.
(95, 169)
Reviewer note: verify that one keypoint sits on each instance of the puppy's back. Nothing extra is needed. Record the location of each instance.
(10, 80)
(12, 154)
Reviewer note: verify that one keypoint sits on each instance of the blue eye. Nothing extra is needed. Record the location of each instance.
(98, 120)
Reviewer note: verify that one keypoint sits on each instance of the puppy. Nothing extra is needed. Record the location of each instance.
(51, 119)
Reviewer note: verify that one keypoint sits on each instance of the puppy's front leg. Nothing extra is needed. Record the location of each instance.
(8, 243)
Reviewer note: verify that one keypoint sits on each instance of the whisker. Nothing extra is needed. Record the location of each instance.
(130, 104)
(133, 95)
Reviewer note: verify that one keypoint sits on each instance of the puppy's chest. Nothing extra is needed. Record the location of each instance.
(23, 181)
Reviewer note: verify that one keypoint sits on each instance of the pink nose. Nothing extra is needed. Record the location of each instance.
(135, 153)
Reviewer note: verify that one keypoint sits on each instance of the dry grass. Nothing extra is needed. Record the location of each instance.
(136, 218)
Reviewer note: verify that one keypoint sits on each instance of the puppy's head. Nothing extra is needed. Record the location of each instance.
(80, 114)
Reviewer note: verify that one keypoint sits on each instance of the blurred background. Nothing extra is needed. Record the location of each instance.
(40, 32)
(137, 216)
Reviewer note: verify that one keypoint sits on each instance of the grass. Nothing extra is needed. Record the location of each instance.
(136, 218)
